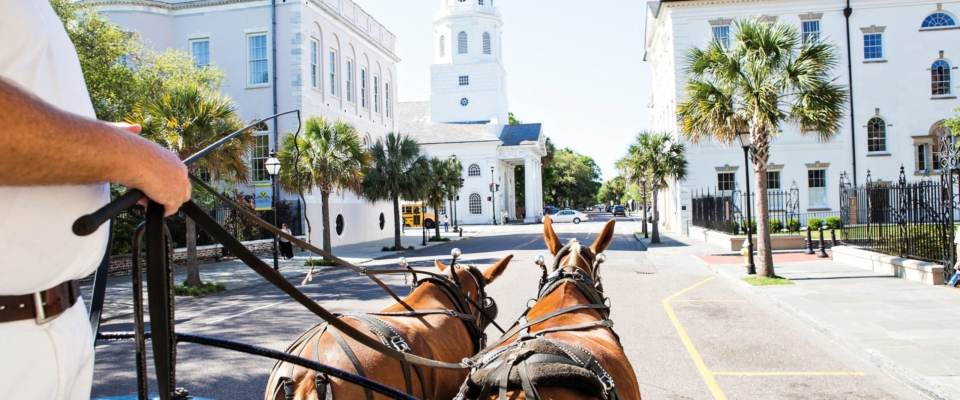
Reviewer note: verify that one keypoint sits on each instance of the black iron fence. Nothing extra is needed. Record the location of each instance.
(910, 219)
(725, 210)
(288, 211)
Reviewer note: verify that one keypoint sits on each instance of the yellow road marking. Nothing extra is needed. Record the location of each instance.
(789, 373)
(707, 375)
(711, 301)
(534, 240)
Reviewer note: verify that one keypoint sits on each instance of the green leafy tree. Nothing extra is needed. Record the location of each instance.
(397, 171)
(513, 121)
(661, 160)
(439, 185)
(612, 190)
(767, 78)
(118, 69)
(575, 179)
(186, 120)
(331, 160)
(452, 181)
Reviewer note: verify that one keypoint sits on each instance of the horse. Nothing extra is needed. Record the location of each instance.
(566, 347)
(439, 320)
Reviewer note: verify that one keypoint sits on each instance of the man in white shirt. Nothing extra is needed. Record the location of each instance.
(57, 160)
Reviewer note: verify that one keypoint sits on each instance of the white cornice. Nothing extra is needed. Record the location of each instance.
(353, 27)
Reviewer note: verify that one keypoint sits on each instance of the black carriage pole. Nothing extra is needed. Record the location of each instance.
(160, 296)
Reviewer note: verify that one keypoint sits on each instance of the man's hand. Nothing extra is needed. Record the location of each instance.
(161, 176)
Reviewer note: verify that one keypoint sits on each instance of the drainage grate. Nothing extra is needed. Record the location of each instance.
(645, 273)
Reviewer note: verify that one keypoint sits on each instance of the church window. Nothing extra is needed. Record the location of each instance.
(475, 204)
(363, 88)
(462, 43)
(473, 170)
(938, 20)
(376, 94)
(940, 78)
(722, 33)
(481, 2)
(811, 30)
(873, 46)
(464, 80)
(386, 99)
(349, 73)
(333, 72)
(443, 49)
(314, 64)
(486, 42)
(876, 135)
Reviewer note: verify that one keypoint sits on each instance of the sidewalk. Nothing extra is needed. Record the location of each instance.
(234, 274)
(909, 330)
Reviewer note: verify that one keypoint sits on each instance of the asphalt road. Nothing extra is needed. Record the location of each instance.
(689, 333)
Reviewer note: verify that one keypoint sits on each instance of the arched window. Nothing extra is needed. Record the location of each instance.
(475, 204)
(938, 20)
(473, 170)
(486, 43)
(481, 2)
(443, 48)
(940, 78)
(462, 43)
(876, 135)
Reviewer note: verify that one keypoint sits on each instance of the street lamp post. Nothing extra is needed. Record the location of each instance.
(643, 184)
(456, 196)
(746, 142)
(273, 168)
(493, 200)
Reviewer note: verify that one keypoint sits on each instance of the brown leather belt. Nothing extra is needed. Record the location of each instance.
(41, 306)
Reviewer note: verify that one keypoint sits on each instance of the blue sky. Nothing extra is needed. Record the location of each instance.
(575, 66)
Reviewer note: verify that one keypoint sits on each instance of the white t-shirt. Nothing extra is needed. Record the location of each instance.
(38, 250)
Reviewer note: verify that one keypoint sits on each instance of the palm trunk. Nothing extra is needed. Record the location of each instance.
(436, 218)
(193, 270)
(325, 197)
(396, 222)
(764, 245)
(655, 235)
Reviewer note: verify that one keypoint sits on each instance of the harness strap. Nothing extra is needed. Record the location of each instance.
(353, 359)
(606, 323)
(515, 329)
(528, 389)
(588, 361)
(465, 317)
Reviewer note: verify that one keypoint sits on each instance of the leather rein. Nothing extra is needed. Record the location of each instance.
(331, 318)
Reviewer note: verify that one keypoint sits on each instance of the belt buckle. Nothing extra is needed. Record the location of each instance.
(41, 316)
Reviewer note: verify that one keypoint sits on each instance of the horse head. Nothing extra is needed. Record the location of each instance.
(574, 255)
(473, 283)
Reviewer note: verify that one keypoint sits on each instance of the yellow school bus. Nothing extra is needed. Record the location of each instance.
(412, 215)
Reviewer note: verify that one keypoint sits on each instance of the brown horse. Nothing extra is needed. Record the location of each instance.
(436, 323)
(565, 348)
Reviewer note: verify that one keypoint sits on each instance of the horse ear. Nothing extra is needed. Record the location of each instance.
(549, 236)
(497, 269)
(440, 265)
(604, 238)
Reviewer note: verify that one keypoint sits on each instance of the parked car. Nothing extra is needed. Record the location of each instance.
(569, 216)
(581, 208)
(619, 210)
(609, 209)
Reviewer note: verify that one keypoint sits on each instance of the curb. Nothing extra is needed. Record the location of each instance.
(905, 376)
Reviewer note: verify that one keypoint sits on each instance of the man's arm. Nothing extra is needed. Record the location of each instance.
(43, 145)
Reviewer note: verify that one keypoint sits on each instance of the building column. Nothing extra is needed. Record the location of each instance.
(530, 191)
(538, 188)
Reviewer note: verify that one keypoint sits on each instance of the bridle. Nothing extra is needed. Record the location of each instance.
(562, 268)
(475, 315)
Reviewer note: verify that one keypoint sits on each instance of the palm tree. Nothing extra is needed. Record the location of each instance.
(331, 160)
(661, 160)
(767, 77)
(440, 185)
(453, 182)
(185, 120)
(397, 171)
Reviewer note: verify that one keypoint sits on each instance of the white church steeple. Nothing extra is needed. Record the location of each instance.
(468, 82)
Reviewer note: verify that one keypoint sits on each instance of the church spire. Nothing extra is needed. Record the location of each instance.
(468, 79)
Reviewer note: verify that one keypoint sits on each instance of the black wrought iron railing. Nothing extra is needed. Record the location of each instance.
(725, 210)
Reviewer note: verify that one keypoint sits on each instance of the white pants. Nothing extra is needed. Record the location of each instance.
(49, 361)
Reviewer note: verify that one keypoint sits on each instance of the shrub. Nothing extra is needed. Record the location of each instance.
(205, 288)
(834, 222)
(793, 225)
(408, 248)
(396, 248)
(319, 262)
(752, 224)
(776, 225)
(815, 223)
(439, 239)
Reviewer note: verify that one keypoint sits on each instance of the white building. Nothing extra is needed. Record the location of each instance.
(902, 58)
(467, 116)
(325, 57)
